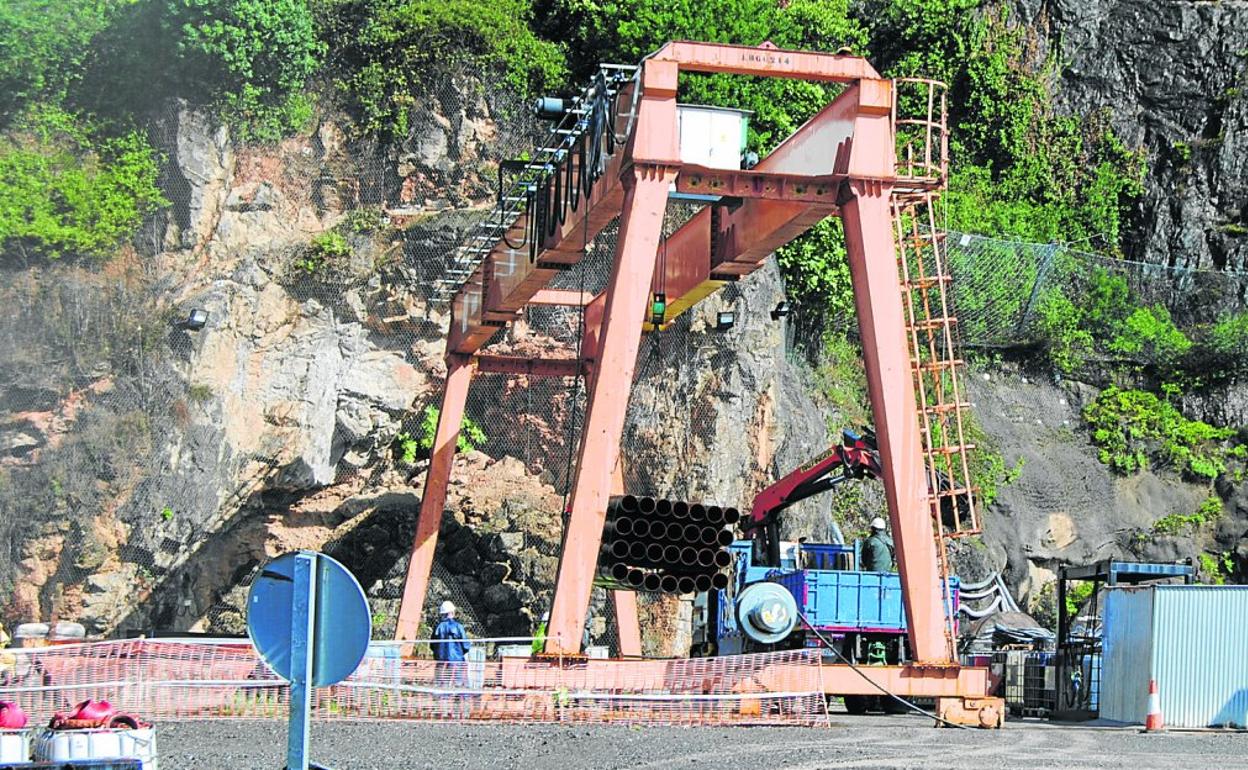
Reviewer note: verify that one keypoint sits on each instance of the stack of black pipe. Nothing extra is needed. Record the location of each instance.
(671, 546)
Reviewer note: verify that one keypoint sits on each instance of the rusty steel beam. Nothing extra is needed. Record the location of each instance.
(429, 520)
(719, 243)
(561, 298)
(641, 225)
(534, 367)
(795, 188)
(873, 271)
(908, 681)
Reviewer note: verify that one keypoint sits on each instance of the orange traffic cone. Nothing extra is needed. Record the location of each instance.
(1153, 721)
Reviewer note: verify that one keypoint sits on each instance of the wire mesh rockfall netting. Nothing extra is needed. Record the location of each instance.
(130, 434)
(1001, 287)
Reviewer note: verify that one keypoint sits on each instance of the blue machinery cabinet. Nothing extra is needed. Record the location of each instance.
(1191, 640)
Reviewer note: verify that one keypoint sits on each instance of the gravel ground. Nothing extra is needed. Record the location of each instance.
(861, 742)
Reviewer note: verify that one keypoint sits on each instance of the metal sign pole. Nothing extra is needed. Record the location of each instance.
(288, 609)
(302, 628)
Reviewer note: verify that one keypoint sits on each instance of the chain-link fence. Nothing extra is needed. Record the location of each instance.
(1001, 287)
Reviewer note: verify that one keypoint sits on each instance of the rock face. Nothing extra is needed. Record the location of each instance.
(1066, 507)
(136, 442)
(147, 468)
(724, 411)
(1173, 75)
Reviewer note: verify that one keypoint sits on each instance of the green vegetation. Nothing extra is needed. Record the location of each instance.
(385, 50)
(409, 447)
(1077, 595)
(1178, 523)
(989, 471)
(43, 46)
(327, 249)
(251, 57)
(471, 436)
(67, 191)
(842, 380)
(1216, 569)
(1132, 426)
(166, 513)
(1021, 170)
(816, 270)
(199, 393)
(1106, 321)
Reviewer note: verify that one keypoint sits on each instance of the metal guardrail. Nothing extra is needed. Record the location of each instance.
(588, 117)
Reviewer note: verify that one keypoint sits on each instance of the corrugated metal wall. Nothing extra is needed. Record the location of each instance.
(1192, 639)
(1200, 654)
(1128, 651)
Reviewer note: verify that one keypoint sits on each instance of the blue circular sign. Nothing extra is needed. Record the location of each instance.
(278, 616)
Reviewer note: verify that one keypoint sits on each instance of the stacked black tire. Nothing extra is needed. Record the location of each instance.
(671, 546)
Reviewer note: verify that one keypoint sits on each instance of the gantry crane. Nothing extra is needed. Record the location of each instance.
(618, 155)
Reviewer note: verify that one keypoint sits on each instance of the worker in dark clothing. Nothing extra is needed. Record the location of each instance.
(450, 648)
(877, 549)
(450, 642)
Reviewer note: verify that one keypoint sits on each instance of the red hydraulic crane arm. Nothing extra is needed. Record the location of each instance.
(858, 459)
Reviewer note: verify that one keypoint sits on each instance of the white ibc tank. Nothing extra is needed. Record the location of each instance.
(72, 745)
(14, 746)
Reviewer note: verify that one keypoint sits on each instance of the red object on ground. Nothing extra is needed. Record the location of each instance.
(94, 714)
(1153, 721)
(11, 716)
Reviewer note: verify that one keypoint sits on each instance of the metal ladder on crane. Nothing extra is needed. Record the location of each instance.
(930, 321)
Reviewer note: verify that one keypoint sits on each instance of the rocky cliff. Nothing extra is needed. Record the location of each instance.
(1173, 76)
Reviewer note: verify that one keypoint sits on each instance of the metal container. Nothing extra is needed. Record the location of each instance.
(1191, 639)
(514, 651)
(712, 136)
(14, 746)
(62, 746)
(1039, 684)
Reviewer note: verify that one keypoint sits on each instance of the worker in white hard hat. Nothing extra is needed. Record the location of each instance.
(877, 549)
(450, 648)
(450, 642)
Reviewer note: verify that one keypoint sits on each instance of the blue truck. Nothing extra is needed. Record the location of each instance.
(861, 613)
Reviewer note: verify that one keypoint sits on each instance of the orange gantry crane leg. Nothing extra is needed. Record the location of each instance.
(442, 456)
(641, 225)
(867, 215)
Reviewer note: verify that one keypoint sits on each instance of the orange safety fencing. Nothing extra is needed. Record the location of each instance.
(161, 680)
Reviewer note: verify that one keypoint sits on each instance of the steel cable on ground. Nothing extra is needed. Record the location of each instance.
(908, 704)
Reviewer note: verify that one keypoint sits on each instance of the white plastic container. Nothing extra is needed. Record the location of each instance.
(14, 746)
(71, 745)
(598, 652)
(514, 650)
